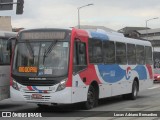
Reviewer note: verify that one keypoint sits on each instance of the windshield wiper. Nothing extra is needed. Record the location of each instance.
(48, 51)
(30, 49)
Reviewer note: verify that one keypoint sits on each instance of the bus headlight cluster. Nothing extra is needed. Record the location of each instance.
(15, 85)
(62, 85)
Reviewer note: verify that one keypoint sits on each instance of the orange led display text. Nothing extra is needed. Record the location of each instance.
(27, 69)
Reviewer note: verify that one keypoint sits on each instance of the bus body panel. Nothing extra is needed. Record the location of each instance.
(79, 89)
(5, 82)
(5, 54)
(4, 75)
(123, 85)
(121, 77)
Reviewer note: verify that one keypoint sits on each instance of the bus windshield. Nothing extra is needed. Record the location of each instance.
(41, 59)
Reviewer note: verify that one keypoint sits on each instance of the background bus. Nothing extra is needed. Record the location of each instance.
(7, 39)
(72, 65)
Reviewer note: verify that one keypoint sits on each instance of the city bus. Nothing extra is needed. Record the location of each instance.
(65, 66)
(7, 40)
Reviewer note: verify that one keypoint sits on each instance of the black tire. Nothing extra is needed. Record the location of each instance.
(42, 106)
(133, 95)
(92, 100)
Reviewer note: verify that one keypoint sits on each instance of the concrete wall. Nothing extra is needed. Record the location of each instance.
(5, 23)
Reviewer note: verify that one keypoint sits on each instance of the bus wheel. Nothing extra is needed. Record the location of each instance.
(91, 98)
(134, 93)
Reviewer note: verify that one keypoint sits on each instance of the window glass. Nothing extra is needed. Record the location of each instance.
(109, 52)
(140, 54)
(131, 54)
(80, 61)
(148, 55)
(48, 58)
(121, 53)
(95, 51)
(5, 52)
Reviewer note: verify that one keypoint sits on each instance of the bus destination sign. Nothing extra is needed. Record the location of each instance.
(43, 35)
(27, 69)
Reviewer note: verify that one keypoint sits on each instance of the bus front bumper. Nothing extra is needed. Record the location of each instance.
(59, 97)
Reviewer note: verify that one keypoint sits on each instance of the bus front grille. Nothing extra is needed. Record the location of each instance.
(43, 99)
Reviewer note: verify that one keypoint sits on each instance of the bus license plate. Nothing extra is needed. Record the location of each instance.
(36, 96)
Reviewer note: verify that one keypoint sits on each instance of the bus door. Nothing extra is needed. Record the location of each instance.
(79, 68)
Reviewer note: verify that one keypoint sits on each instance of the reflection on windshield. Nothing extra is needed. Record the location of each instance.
(50, 58)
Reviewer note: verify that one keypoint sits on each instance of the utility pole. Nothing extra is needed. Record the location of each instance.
(147, 25)
(79, 13)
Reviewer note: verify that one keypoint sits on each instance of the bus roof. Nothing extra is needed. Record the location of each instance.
(45, 29)
(113, 36)
(7, 34)
(99, 34)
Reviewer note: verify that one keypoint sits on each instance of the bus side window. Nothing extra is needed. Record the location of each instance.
(121, 53)
(109, 52)
(5, 52)
(79, 61)
(148, 55)
(10, 45)
(140, 56)
(131, 54)
(95, 51)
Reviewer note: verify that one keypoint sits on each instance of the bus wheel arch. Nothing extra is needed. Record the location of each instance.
(96, 86)
(134, 92)
(135, 89)
(92, 96)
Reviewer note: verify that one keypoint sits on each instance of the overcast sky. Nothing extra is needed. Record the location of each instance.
(114, 14)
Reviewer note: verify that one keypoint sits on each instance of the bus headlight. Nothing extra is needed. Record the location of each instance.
(62, 85)
(15, 85)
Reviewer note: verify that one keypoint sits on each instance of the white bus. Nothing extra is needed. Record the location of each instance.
(72, 65)
(7, 40)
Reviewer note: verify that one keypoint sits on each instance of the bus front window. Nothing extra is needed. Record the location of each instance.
(42, 58)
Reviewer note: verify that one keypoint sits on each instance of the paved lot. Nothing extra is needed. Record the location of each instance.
(148, 100)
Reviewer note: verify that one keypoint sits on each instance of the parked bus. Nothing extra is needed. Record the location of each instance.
(6, 43)
(73, 65)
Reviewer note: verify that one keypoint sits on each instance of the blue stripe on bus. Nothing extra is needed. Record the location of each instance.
(141, 70)
(100, 36)
(34, 87)
(114, 73)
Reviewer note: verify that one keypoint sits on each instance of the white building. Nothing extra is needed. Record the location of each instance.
(152, 35)
(5, 23)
